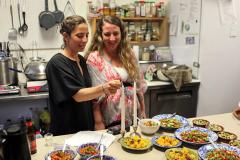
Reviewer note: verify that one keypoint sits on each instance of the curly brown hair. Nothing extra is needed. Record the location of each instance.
(125, 52)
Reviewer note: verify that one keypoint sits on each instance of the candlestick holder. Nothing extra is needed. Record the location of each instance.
(122, 135)
(135, 133)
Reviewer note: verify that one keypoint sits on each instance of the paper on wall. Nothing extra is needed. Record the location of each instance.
(227, 12)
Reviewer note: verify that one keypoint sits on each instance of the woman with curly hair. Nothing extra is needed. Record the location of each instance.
(110, 57)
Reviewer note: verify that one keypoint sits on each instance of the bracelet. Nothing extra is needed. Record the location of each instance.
(103, 90)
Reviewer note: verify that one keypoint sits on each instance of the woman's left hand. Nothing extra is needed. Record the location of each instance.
(143, 115)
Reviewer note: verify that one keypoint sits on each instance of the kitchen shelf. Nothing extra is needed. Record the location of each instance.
(163, 29)
(146, 62)
(145, 42)
(140, 18)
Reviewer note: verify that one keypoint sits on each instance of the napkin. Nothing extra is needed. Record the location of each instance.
(84, 137)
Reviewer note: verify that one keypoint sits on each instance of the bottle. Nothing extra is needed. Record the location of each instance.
(31, 136)
(38, 135)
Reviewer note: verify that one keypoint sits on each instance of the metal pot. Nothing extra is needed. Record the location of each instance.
(35, 70)
(8, 77)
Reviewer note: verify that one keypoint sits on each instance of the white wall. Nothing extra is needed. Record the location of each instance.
(219, 63)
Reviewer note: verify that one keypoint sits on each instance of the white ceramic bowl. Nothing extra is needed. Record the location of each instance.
(149, 129)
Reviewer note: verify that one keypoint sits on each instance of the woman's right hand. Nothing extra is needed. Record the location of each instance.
(111, 87)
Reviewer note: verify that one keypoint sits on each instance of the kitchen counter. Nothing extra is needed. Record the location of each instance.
(227, 120)
(163, 83)
(24, 95)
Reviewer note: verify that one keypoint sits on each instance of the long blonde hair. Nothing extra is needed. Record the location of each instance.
(125, 52)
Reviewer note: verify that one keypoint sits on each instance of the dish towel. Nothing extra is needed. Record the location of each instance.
(179, 75)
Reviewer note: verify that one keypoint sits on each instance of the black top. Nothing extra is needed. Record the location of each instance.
(64, 80)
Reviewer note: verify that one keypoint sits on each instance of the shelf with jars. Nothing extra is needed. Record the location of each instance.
(143, 30)
(146, 24)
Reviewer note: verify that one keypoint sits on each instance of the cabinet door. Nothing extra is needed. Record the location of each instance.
(167, 102)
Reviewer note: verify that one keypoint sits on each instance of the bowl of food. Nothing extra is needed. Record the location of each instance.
(135, 143)
(67, 154)
(235, 143)
(149, 126)
(200, 123)
(103, 157)
(226, 137)
(89, 149)
(181, 153)
(166, 141)
(215, 128)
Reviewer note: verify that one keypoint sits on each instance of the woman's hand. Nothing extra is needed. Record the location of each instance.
(143, 115)
(111, 87)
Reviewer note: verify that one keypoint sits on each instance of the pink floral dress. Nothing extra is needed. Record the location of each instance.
(102, 71)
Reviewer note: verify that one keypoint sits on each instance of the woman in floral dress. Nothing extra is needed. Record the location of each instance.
(110, 57)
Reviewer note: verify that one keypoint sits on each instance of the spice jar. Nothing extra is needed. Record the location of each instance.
(140, 36)
(145, 54)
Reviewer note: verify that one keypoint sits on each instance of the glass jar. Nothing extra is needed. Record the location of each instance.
(145, 54)
(148, 36)
(137, 9)
(131, 10)
(140, 36)
(155, 35)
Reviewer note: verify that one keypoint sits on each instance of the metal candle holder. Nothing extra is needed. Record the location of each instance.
(122, 135)
(135, 133)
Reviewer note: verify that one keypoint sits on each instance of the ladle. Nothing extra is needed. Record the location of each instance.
(20, 29)
(12, 33)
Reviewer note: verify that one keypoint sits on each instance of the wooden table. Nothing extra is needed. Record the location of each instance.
(227, 120)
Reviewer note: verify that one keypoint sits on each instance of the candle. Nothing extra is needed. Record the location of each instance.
(134, 105)
(122, 105)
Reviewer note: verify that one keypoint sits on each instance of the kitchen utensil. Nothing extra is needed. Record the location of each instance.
(59, 15)
(24, 26)
(46, 18)
(99, 143)
(8, 77)
(20, 29)
(69, 5)
(35, 70)
(12, 33)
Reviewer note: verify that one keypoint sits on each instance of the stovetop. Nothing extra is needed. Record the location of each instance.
(9, 89)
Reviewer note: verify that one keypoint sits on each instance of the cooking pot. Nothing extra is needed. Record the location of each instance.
(35, 70)
(8, 77)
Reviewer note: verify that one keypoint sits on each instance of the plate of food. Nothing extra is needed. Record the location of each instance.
(57, 154)
(103, 157)
(135, 143)
(235, 143)
(171, 122)
(222, 152)
(200, 123)
(166, 141)
(215, 127)
(89, 149)
(195, 135)
(181, 153)
(226, 137)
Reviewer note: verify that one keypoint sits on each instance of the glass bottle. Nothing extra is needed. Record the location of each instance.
(145, 54)
(31, 136)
